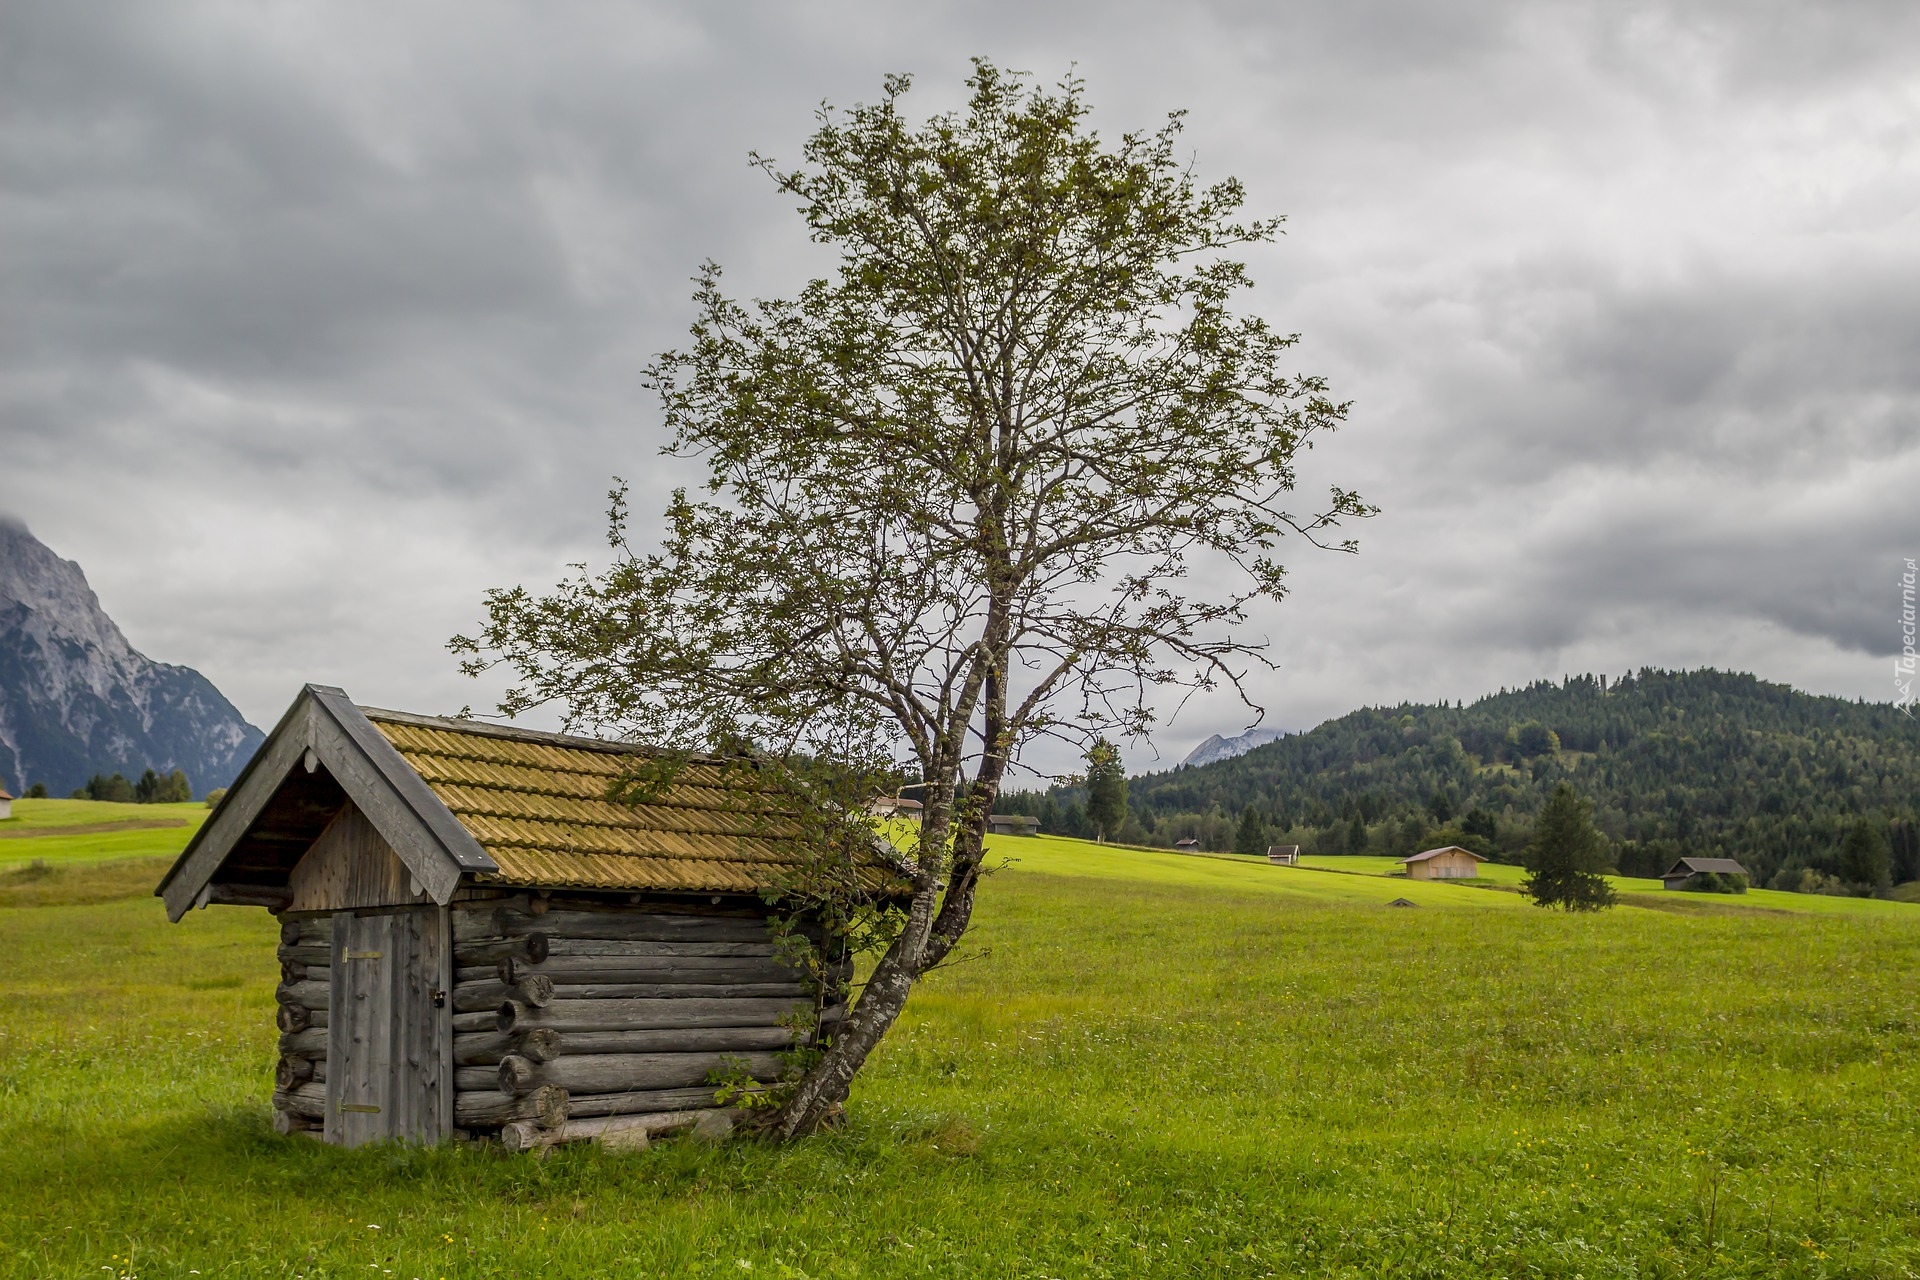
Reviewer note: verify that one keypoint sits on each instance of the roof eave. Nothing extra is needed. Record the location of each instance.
(324, 727)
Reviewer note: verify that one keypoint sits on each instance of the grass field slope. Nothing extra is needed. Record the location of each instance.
(1147, 1064)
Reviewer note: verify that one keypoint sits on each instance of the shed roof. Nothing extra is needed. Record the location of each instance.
(461, 801)
(537, 803)
(4, 795)
(1434, 853)
(1697, 866)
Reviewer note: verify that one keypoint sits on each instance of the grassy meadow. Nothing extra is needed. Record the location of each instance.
(1147, 1064)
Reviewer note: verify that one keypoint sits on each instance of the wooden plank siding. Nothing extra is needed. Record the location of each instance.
(351, 866)
(390, 1044)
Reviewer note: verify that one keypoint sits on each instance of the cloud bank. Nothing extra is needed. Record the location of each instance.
(318, 322)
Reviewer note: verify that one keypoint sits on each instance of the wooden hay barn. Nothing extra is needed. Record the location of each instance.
(1012, 824)
(1284, 855)
(1677, 876)
(1450, 863)
(475, 940)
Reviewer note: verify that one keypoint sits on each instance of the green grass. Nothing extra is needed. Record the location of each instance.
(42, 831)
(1631, 888)
(1148, 1065)
(35, 814)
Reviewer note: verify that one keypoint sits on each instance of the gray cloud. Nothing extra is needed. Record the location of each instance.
(314, 324)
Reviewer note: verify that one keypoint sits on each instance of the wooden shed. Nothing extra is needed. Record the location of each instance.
(1450, 863)
(475, 939)
(1284, 855)
(1677, 876)
(6, 804)
(1012, 824)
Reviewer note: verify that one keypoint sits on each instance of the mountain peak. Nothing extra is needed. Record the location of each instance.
(1219, 748)
(76, 698)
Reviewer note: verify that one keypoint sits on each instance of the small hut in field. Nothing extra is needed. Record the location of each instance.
(475, 940)
(1012, 824)
(897, 807)
(1284, 855)
(1681, 875)
(6, 804)
(1450, 863)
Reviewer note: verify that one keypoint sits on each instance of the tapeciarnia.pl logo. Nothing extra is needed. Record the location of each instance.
(1903, 666)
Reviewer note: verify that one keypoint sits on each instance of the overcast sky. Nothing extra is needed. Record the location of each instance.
(316, 320)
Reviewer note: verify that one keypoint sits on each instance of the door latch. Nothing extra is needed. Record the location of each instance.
(439, 998)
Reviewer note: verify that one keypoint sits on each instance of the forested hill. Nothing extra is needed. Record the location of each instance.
(1700, 762)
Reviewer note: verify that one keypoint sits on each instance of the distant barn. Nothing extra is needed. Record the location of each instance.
(1450, 863)
(896, 807)
(1012, 824)
(6, 804)
(1283, 855)
(475, 939)
(1676, 876)
(1187, 844)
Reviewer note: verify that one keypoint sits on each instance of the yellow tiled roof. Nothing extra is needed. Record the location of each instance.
(539, 807)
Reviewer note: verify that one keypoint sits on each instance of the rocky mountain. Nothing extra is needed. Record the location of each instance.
(1219, 748)
(76, 699)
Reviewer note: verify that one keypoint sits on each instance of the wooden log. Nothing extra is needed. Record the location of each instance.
(635, 926)
(306, 930)
(486, 1048)
(291, 1073)
(605, 947)
(788, 990)
(318, 956)
(286, 1123)
(304, 1044)
(483, 1021)
(575, 969)
(623, 1131)
(292, 1017)
(473, 997)
(531, 946)
(680, 1040)
(309, 1100)
(624, 1072)
(489, 1109)
(567, 1016)
(311, 995)
(642, 1102)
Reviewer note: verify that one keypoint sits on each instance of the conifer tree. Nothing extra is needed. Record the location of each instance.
(1566, 858)
(1106, 789)
(1863, 857)
(1251, 837)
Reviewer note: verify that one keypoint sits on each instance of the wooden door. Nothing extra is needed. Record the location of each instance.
(389, 1027)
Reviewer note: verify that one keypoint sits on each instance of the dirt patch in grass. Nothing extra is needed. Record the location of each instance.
(95, 828)
(45, 884)
(1717, 904)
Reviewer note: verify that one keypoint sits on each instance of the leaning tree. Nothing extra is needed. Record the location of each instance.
(1015, 466)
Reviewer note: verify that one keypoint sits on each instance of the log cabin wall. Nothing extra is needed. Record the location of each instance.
(300, 1078)
(584, 1007)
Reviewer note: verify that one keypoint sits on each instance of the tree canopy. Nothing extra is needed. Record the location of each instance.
(953, 489)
